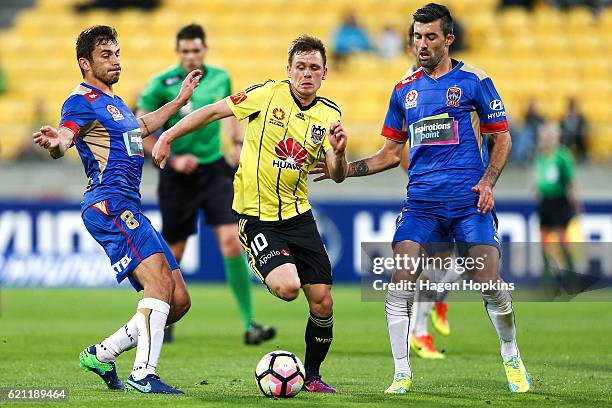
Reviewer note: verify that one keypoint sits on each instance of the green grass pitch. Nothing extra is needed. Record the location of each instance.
(566, 348)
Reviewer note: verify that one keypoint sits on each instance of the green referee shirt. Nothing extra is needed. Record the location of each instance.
(204, 143)
(554, 173)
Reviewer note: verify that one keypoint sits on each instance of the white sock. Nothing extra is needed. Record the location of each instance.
(151, 320)
(448, 277)
(420, 316)
(397, 309)
(423, 303)
(499, 309)
(122, 340)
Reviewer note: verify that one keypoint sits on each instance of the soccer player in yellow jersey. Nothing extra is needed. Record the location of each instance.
(289, 129)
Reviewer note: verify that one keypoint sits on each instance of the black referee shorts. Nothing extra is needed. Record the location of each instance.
(273, 243)
(209, 188)
(555, 212)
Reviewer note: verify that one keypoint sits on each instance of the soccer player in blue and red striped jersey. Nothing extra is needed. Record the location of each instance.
(108, 138)
(428, 303)
(443, 110)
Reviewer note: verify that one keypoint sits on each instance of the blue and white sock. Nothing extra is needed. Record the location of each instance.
(151, 321)
(122, 340)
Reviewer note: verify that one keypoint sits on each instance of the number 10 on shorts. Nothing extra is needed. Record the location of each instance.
(258, 244)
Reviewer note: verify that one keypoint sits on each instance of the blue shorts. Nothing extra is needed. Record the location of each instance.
(126, 235)
(428, 222)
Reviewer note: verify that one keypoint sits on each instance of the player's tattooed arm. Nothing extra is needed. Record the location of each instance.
(386, 158)
(499, 157)
(491, 175)
(358, 168)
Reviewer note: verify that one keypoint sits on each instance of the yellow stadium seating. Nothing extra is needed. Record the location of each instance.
(545, 54)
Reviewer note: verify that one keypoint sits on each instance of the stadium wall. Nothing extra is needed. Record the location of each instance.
(46, 244)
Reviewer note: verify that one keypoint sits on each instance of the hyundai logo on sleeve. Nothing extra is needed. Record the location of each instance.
(496, 105)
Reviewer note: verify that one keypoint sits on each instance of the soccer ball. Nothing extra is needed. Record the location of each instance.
(280, 374)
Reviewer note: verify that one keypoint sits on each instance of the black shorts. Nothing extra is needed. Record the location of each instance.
(555, 212)
(273, 243)
(209, 188)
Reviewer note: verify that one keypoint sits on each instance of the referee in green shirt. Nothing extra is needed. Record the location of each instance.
(198, 177)
(556, 192)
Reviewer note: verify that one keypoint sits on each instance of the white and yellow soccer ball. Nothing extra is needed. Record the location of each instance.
(280, 374)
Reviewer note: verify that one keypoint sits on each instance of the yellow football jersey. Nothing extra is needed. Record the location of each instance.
(283, 142)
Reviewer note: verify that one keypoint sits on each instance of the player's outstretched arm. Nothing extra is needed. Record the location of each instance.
(231, 126)
(56, 141)
(387, 157)
(182, 163)
(150, 122)
(196, 119)
(497, 162)
(335, 157)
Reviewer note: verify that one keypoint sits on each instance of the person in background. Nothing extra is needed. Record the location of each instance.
(350, 38)
(557, 195)
(389, 43)
(574, 129)
(29, 151)
(524, 142)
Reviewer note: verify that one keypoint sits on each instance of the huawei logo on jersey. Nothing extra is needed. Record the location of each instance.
(278, 113)
(291, 154)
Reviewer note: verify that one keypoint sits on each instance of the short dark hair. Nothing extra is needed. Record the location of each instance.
(432, 12)
(191, 32)
(89, 38)
(306, 43)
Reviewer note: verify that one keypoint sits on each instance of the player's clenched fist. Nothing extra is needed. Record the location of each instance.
(337, 137)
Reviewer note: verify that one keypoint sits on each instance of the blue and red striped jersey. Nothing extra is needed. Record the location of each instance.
(443, 121)
(109, 140)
